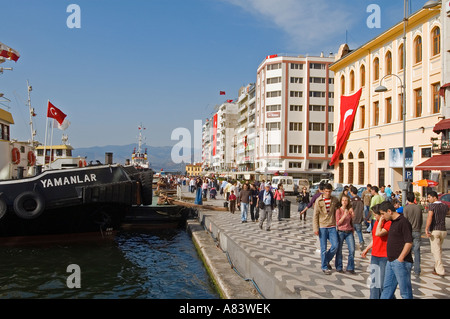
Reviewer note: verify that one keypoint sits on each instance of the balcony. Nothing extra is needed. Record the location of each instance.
(440, 145)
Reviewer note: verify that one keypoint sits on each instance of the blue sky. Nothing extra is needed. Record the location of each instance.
(160, 62)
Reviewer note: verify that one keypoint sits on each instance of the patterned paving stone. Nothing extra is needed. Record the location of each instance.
(289, 253)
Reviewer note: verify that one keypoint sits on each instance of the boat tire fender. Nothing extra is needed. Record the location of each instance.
(3, 207)
(29, 205)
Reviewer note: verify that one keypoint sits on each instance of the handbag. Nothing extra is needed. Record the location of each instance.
(261, 205)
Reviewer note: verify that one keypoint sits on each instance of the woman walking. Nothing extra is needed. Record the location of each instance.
(344, 223)
(303, 201)
(280, 198)
(198, 194)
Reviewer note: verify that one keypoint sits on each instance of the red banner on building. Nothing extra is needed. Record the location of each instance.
(214, 135)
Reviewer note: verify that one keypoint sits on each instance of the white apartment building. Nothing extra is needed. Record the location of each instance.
(206, 145)
(223, 137)
(294, 116)
(245, 130)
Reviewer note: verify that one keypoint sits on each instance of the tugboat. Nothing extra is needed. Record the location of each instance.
(139, 159)
(94, 198)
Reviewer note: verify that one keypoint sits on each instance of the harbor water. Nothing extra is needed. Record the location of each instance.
(158, 264)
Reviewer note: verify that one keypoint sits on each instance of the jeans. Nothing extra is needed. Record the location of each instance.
(358, 229)
(397, 274)
(366, 214)
(244, 211)
(350, 240)
(377, 274)
(416, 251)
(327, 255)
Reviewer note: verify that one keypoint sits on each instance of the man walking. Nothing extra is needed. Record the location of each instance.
(324, 226)
(358, 210)
(413, 214)
(399, 244)
(436, 231)
(266, 203)
(244, 199)
(366, 197)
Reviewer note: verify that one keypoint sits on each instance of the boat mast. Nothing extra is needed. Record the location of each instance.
(32, 114)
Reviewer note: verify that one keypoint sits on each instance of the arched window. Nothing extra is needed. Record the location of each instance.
(376, 69)
(418, 49)
(342, 85)
(352, 81)
(400, 57)
(362, 72)
(361, 154)
(436, 41)
(361, 169)
(350, 155)
(388, 61)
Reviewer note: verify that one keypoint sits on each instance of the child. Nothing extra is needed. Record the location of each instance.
(232, 199)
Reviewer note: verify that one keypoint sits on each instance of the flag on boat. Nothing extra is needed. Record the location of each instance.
(55, 113)
(9, 53)
(222, 92)
(229, 101)
(348, 107)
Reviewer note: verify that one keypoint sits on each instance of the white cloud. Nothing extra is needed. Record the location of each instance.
(310, 24)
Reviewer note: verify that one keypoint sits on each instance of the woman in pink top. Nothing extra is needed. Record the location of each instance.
(344, 225)
(279, 197)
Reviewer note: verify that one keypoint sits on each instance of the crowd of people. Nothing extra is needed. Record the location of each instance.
(395, 230)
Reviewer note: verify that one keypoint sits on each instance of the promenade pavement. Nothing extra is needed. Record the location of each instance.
(285, 262)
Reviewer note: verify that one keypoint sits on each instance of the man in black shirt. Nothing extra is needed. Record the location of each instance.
(399, 244)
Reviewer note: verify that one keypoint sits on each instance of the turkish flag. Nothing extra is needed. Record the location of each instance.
(230, 101)
(55, 113)
(215, 118)
(348, 107)
(222, 92)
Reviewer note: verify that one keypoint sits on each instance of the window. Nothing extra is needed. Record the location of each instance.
(296, 108)
(341, 173)
(352, 81)
(316, 126)
(295, 126)
(401, 62)
(317, 108)
(295, 149)
(274, 80)
(316, 149)
(388, 61)
(274, 107)
(275, 126)
(273, 148)
(317, 66)
(426, 152)
(330, 95)
(316, 94)
(362, 116)
(330, 127)
(389, 110)
(330, 80)
(274, 66)
(418, 49)
(59, 152)
(296, 93)
(342, 85)
(331, 149)
(295, 164)
(274, 94)
(400, 107)
(436, 98)
(362, 72)
(315, 166)
(317, 80)
(436, 41)
(296, 66)
(381, 176)
(296, 80)
(361, 173)
(418, 102)
(381, 156)
(350, 173)
(376, 113)
(376, 69)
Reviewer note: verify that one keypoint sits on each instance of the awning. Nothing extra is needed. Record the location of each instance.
(436, 163)
(442, 125)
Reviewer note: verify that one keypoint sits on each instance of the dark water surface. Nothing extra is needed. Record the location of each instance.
(159, 264)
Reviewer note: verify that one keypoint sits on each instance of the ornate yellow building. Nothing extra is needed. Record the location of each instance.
(375, 146)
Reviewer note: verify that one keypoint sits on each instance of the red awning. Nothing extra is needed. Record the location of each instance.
(442, 126)
(436, 163)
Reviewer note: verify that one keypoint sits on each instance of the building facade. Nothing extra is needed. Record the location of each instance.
(374, 150)
(294, 116)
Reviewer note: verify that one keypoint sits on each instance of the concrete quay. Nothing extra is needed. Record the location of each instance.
(284, 263)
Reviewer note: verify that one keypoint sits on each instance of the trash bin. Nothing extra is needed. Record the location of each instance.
(225, 204)
(286, 209)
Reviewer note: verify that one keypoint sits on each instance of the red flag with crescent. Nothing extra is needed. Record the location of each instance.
(348, 107)
(55, 113)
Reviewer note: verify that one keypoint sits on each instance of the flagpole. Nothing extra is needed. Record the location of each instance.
(51, 143)
(45, 139)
